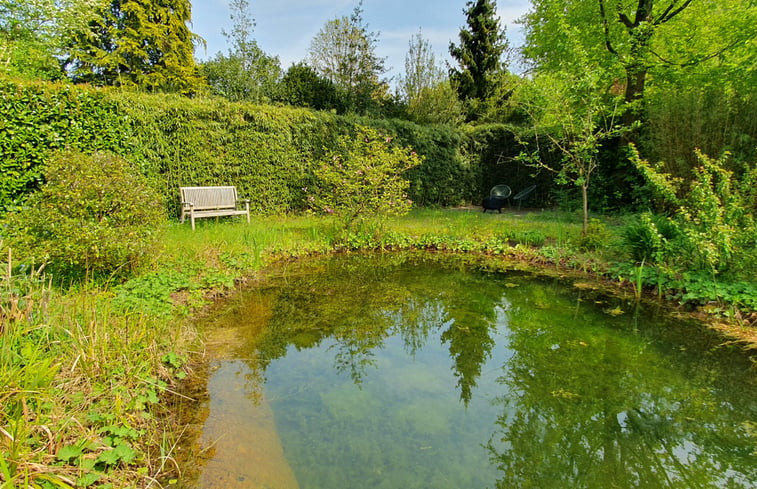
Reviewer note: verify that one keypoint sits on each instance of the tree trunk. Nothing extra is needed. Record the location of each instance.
(585, 195)
(636, 78)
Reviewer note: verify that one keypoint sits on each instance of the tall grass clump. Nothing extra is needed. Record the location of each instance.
(83, 389)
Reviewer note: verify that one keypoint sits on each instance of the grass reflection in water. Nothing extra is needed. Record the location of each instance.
(402, 371)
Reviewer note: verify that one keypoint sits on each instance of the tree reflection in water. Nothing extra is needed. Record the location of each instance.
(362, 305)
(587, 409)
(564, 395)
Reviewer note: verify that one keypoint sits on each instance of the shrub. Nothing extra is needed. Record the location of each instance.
(363, 176)
(93, 214)
(41, 118)
(648, 237)
(713, 215)
(595, 237)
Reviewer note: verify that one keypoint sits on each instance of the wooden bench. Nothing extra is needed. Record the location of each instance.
(197, 202)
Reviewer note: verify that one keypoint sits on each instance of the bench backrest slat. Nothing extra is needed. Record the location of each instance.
(209, 197)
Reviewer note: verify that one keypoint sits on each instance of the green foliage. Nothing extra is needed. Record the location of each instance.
(629, 41)
(713, 215)
(424, 89)
(479, 55)
(269, 153)
(93, 214)
(76, 380)
(711, 116)
(344, 52)
(528, 237)
(648, 237)
(151, 293)
(251, 77)
(494, 149)
(301, 86)
(41, 118)
(247, 73)
(594, 237)
(437, 104)
(34, 34)
(570, 110)
(363, 176)
(137, 43)
(449, 173)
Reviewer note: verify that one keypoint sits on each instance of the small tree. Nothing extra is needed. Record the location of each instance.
(363, 176)
(576, 116)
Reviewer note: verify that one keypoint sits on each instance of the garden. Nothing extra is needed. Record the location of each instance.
(642, 192)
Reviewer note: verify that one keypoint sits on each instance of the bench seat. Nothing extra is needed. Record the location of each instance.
(198, 202)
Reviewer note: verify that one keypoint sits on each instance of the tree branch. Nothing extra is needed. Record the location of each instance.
(667, 15)
(696, 61)
(625, 20)
(608, 43)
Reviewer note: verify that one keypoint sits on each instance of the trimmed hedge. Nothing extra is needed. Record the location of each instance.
(268, 152)
(496, 148)
(39, 118)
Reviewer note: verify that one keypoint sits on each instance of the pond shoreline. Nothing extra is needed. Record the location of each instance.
(595, 283)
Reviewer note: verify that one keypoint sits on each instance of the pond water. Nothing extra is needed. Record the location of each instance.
(417, 371)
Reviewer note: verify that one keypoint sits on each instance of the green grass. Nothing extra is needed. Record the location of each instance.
(90, 375)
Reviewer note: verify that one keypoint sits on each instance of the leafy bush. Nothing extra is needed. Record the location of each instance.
(648, 237)
(41, 118)
(363, 177)
(595, 237)
(713, 215)
(93, 214)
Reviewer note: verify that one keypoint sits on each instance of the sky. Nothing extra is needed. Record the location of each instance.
(284, 28)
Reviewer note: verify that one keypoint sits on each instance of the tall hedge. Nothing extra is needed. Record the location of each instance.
(268, 152)
(39, 118)
(495, 148)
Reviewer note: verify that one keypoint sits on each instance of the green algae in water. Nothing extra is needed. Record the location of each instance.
(400, 371)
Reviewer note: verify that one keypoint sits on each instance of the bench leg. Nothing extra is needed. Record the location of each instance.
(192, 219)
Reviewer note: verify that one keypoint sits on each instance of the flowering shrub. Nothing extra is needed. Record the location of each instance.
(363, 176)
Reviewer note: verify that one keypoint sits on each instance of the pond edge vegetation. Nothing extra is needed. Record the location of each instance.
(95, 371)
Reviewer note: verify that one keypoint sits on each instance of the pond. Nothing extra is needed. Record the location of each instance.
(423, 371)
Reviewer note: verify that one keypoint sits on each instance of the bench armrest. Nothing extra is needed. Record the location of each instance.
(243, 200)
(190, 204)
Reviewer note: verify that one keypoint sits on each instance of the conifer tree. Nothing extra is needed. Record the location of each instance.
(479, 54)
(143, 43)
